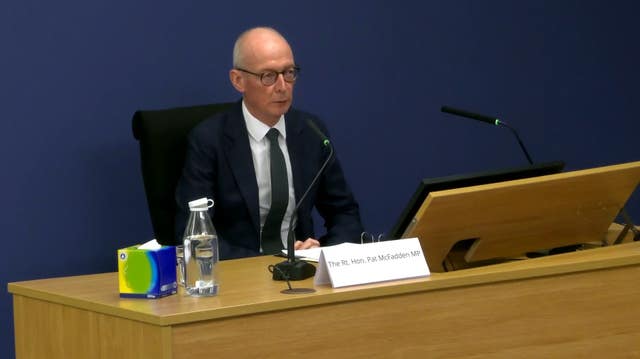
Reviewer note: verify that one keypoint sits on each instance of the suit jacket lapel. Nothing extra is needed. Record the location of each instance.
(296, 146)
(238, 153)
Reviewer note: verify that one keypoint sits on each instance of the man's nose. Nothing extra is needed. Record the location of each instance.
(280, 82)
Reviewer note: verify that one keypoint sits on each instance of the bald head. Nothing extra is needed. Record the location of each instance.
(253, 43)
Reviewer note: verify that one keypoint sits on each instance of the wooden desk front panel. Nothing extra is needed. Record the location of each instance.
(589, 314)
(49, 330)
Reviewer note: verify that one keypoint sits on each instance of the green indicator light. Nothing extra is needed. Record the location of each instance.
(497, 122)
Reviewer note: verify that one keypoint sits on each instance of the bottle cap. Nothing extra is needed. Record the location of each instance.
(201, 204)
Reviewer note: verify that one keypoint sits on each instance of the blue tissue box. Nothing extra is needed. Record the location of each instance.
(144, 273)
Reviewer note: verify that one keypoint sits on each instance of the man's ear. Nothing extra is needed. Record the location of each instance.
(237, 80)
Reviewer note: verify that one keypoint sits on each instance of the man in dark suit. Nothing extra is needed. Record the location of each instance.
(255, 182)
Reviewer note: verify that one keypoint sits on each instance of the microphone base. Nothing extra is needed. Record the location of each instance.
(296, 270)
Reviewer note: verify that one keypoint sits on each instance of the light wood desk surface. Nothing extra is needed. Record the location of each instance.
(581, 302)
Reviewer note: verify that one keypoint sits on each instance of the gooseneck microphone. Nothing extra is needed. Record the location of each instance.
(292, 268)
(487, 119)
(467, 114)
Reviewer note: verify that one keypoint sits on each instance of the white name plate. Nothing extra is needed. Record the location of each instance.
(352, 264)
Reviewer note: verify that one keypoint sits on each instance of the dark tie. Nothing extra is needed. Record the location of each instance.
(271, 239)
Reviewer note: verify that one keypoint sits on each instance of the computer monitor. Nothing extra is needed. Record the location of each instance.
(428, 185)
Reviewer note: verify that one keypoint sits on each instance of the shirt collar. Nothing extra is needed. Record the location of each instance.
(257, 129)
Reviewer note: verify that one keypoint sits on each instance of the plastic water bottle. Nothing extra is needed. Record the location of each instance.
(200, 251)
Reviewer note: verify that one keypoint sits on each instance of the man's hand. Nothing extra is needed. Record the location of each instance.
(308, 243)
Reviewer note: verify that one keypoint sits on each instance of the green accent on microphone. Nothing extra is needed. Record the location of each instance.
(325, 142)
(497, 122)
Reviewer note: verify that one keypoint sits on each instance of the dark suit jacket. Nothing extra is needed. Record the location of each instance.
(219, 165)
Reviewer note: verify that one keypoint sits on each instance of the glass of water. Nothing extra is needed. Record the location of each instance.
(180, 265)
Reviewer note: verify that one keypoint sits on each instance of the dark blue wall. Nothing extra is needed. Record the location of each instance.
(564, 73)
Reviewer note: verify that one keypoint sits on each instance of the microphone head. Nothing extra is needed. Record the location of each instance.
(476, 116)
(314, 127)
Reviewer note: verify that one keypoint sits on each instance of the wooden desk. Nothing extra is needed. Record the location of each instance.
(582, 304)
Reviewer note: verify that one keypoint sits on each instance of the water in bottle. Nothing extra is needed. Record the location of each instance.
(200, 251)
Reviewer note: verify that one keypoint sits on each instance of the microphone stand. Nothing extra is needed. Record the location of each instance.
(513, 130)
(293, 268)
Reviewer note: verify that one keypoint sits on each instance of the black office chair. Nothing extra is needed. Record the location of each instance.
(162, 136)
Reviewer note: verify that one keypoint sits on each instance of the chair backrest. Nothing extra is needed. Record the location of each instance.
(162, 135)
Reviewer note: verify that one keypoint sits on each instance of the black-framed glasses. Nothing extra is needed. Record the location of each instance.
(268, 78)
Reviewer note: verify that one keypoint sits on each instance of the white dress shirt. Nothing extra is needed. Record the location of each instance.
(260, 153)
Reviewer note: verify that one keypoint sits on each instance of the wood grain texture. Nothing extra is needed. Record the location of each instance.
(511, 218)
(586, 314)
(49, 330)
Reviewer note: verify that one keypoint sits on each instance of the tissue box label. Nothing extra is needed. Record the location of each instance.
(147, 273)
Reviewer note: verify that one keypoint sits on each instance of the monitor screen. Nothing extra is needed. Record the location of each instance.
(428, 185)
